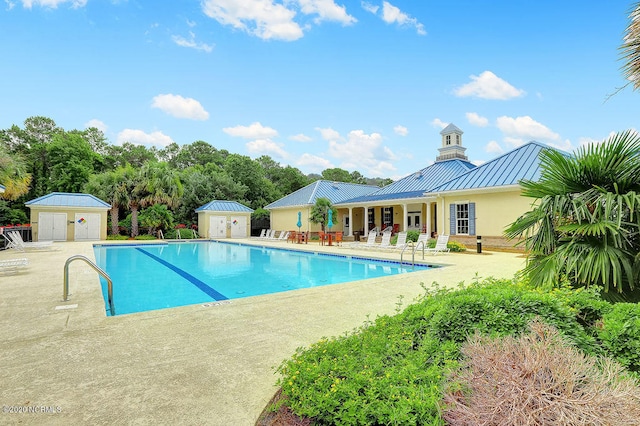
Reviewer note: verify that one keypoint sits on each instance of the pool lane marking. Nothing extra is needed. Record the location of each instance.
(184, 274)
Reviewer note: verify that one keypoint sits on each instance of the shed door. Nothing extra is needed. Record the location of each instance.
(87, 227)
(238, 227)
(52, 226)
(218, 227)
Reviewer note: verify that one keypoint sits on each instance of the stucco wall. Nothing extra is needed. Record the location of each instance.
(494, 211)
(70, 212)
(287, 219)
(204, 222)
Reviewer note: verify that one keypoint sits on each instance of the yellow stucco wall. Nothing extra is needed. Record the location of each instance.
(287, 219)
(494, 210)
(71, 213)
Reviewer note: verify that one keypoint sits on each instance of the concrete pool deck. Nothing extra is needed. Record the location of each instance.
(201, 364)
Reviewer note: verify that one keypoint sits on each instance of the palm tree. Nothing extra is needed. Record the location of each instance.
(631, 48)
(320, 212)
(111, 187)
(13, 176)
(154, 183)
(585, 223)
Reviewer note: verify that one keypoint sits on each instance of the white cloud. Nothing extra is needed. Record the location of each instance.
(253, 131)
(494, 148)
(52, 4)
(371, 8)
(477, 120)
(329, 134)
(300, 137)
(364, 153)
(401, 130)
(326, 10)
(391, 14)
(523, 129)
(266, 147)
(564, 145)
(180, 107)
(314, 163)
(261, 18)
(10, 4)
(436, 122)
(138, 137)
(97, 124)
(191, 43)
(488, 86)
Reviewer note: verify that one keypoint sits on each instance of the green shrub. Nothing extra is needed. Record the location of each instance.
(413, 235)
(456, 246)
(391, 371)
(185, 234)
(117, 237)
(144, 237)
(620, 334)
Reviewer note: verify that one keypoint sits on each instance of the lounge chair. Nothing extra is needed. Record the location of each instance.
(384, 244)
(401, 241)
(441, 245)
(10, 266)
(371, 241)
(19, 244)
(283, 236)
(263, 233)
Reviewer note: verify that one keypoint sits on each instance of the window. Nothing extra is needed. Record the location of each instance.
(408, 220)
(462, 218)
(448, 140)
(387, 216)
(457, 139)
(371, 219)
(417, 221)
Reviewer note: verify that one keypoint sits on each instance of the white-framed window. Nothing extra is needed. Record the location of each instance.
(387, 216)
(462, 218)
(447, 139)
(371, 218)
(457, 139)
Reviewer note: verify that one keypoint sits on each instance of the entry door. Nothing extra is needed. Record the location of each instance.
(52, 227)
(413, 220)
(217, 227)
(87, 227)
(345, 226)
(238, 227)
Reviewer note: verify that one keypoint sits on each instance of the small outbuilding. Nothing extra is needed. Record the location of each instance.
(224, 219)
(62, 216)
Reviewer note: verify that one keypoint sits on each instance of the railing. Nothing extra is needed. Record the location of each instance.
(414, 248)
(160, 234)
(65, 288)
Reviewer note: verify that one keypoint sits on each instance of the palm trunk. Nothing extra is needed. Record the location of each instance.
(115, 212)
(134, 220)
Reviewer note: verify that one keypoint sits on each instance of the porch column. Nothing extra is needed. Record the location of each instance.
(428, 222)
(365, 220)
(350, 222)
(405, 223)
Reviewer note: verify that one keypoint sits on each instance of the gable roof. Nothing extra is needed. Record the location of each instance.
(418, 183)
(508, 169)
(66, 199)
(451, 128)
(224, 206)
(336, 192)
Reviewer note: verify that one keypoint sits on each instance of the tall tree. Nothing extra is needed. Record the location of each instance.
(72, 162)
(337, 175)
(585, 223)
(112, 188)
(320, 212)
(13, 175)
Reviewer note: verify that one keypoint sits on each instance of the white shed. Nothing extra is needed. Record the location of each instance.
(62, 216)
(224, 219)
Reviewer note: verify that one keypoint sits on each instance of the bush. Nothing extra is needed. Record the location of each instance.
(144, 237)
(185, 234)
(537, 379)
(391, 370)
(413, 235)
(456, 246)
(117, 237)
(620, 334)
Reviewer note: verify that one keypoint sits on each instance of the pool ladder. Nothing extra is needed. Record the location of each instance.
(414, 248)
(65, 288)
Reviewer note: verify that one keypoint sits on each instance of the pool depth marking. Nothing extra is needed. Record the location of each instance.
(193, 280)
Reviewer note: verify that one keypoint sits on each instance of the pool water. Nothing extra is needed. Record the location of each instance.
(158, 276)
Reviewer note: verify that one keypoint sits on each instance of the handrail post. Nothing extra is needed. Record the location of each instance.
(65, 284)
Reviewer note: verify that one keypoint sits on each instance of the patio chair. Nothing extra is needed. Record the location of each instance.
(11, 266)
(283, 235)
(371, 241)
(339, 238)
(293, 236)
(401, 241)
(19, 244)
(441, 245)
(384, 244)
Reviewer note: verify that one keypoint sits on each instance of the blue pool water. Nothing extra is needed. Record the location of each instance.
(157, 276)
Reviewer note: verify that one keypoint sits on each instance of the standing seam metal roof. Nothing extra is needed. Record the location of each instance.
(66, 199)
(224, 206)
(508, 169)
(337, 192)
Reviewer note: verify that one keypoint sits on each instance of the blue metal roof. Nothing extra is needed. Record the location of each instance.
(66, 199)
(418, 183)
(224, 206)
(1, 188)
(508, 169)
(337, 192)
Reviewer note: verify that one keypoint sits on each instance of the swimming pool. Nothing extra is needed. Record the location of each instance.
(157, 276)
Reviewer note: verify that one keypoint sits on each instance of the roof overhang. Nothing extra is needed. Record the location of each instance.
(490, 189)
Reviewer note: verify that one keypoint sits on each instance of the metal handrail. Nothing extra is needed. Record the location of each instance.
(65, 288)
(414, 248)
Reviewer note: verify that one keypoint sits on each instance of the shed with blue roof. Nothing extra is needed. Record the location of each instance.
(224, 219)
(63, 216)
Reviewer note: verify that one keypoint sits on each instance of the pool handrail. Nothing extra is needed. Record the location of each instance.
(65, 285)
(414, 248)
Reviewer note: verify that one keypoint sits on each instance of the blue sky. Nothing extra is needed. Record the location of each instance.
(361, 85)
